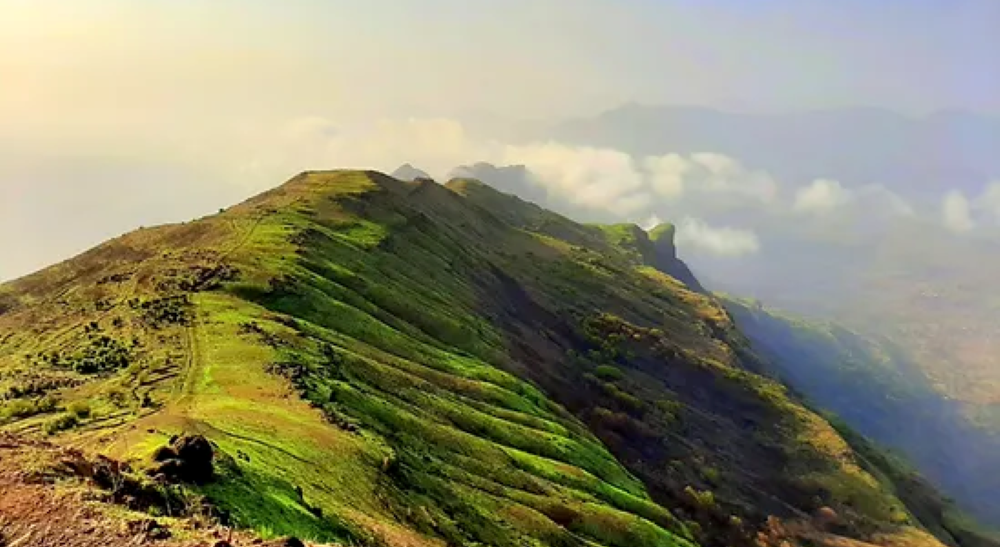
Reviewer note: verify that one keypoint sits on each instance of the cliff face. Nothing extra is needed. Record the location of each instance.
(664, 256)
(656, 249)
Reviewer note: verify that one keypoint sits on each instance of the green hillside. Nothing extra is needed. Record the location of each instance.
(389, 363)
(874, 387)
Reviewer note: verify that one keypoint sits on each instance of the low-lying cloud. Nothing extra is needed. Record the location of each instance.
(957, 213)
(604, 183)
(593, 182)
(673, 175)
(595, 178)
(962, 214)
(884, 201)
(721, 241)
(990, 200)
(822, 196)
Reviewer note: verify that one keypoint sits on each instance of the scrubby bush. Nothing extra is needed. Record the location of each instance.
(702, 498)
(103, 354)
(17, 409)
(609, 373)
(694, 528)
(668, 406)
(118, 396)
(35, 385)
(624, 399)
(669, 410)
(710, 474)
(7, 303)
(80, 409)
(173, 310)
(61, 422)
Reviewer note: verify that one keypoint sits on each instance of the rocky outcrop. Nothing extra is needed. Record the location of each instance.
(188, 459)
(663, 257)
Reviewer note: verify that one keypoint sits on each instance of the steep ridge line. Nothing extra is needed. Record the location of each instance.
(393, 363)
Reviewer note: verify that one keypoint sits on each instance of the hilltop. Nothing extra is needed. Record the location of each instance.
(407, 363)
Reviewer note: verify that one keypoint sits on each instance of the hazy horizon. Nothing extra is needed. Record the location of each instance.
(125, 114)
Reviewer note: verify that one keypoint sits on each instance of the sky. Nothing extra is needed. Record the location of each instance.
(117, 113)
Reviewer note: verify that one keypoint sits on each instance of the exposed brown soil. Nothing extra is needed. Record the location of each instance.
(57, 497)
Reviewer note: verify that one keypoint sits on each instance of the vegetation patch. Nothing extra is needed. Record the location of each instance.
(161, 312)
(17, 409)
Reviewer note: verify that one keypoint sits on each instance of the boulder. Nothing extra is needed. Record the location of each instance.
(188, 459)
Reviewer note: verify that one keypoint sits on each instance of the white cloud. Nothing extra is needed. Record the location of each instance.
(962, 214)
(673, 175)
(722, 241)
(822, 196)
(652, 222)
(989, 201)
(760, 185)
(666, 174)
(631, 204)
(723, 174)
(885, 200)
(598, 179)
(591, 178)
(717, 164)
(595, 178)
(610, 180)
(957, 213)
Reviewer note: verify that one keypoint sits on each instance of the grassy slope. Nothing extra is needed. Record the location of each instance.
(463, 377)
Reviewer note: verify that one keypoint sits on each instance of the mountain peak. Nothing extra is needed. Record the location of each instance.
(407, 173)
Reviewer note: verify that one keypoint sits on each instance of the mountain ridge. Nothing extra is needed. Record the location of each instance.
(437, 373)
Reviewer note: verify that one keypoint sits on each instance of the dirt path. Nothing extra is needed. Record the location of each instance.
(184, 394)
(244, 239)
(193, 367)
